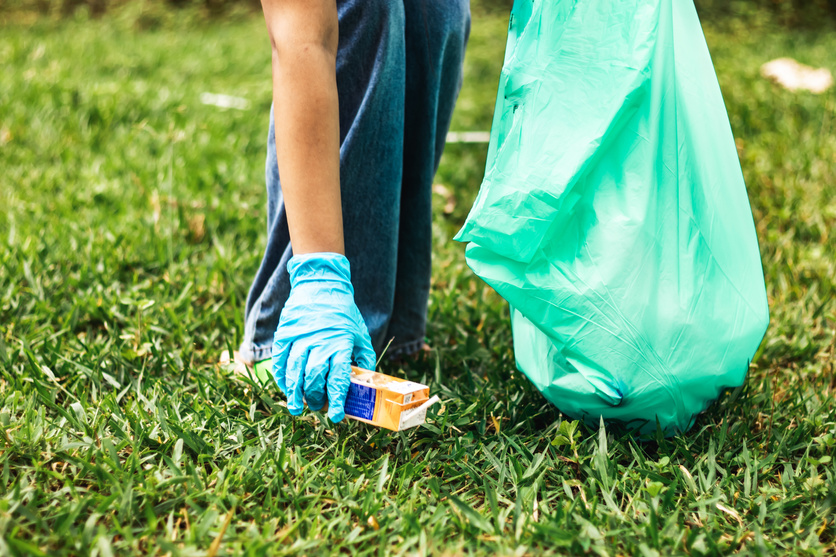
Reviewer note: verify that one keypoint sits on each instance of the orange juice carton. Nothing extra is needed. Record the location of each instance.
(386, 401)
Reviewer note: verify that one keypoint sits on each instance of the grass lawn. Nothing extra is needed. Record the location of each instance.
(132, 220)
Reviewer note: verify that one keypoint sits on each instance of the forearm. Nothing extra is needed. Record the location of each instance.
(306, 111)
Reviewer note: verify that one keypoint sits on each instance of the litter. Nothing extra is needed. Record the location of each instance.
(468, 137)
(373, 398)
(795, 76)
(386, 401)
(224, 101)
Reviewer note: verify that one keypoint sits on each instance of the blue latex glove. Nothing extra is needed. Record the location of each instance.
(320, 331)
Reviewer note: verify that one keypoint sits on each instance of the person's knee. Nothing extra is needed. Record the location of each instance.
(438, 24)
(456, 19)
(373, 20)
(370, 56)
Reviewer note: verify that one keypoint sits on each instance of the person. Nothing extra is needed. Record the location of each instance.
(363, 94)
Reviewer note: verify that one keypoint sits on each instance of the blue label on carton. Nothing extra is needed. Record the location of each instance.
(360, 401)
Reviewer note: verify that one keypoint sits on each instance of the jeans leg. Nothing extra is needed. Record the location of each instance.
(370, 83)
(436, 36)
(271, 285)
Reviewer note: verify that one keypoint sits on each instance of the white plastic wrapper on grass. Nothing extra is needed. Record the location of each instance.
(224, 101)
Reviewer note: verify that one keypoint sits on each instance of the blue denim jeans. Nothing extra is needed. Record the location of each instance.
(399, 71)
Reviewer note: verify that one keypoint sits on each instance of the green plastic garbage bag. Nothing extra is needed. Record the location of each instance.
(613, 215)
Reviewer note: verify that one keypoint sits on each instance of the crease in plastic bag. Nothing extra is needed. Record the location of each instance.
(613, 215)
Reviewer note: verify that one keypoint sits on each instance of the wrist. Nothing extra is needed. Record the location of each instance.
(310, 243)
(319, 266)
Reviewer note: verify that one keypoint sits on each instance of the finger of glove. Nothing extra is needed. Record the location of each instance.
(297, 361)
(364, 351)
(316, 374)
(281, 352)
(339, 379)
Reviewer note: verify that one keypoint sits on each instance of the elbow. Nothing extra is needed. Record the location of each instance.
(302, 53)
(290, 44)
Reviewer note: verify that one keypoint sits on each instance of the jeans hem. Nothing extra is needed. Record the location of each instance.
(254, 354)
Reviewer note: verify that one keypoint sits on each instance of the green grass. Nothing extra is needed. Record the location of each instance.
(131, 221)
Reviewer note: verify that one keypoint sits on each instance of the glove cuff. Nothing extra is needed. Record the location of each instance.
(319, 267)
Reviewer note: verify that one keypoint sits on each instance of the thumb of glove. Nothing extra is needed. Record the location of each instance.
(364, 352)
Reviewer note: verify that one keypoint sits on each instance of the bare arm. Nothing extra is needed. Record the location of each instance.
(303, 36)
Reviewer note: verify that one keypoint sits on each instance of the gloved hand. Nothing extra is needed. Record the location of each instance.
(320, 330)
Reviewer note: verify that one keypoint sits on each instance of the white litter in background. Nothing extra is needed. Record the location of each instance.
(224, 101)
(795, 76)
(469, 137)
(449, 198)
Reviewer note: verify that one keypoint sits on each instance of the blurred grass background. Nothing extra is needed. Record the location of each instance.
(808, 13)
(132, 220)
